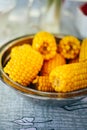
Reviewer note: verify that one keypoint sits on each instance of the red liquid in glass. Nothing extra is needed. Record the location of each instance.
(84, 9)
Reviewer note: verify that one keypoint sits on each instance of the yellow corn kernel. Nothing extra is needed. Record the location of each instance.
(42, 84)
(45, 43)
(69, 77)
(83, 50)
(48, 65)
(24, 65)
(69, 47)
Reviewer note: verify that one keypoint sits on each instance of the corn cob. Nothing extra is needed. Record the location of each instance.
(48, 65)
(45, 43)
(69, 47)
(42, 84)
(24, 65)
(69, 77)
(83, 51)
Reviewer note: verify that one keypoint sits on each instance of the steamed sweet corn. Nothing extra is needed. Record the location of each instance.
(83, 51)
(48, 65)
(42, 84)
(69, 47)
(24, 65)
(45, 43)
(69, 77)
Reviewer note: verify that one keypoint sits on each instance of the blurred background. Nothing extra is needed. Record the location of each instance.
(23, 17)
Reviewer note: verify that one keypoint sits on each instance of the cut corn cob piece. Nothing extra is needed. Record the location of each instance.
(45, 43)
(69, 47)
(42, 84)
(69, 77)
(48, 65)
(83, 50)
(24, 65)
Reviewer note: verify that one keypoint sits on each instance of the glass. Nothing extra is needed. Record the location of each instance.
(25, 18)
(17, 21)
(6, 6)
(70, 19)
(35, 13)
(51, 18)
